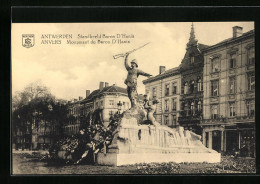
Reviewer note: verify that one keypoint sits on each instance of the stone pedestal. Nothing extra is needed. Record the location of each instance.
(136, 143)
(113, 159)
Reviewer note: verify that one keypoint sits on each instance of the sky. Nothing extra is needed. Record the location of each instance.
(68, 70)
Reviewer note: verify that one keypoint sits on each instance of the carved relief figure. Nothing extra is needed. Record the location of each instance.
(151, 108)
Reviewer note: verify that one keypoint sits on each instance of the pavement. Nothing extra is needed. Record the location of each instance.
(24, 164)
(30, 151)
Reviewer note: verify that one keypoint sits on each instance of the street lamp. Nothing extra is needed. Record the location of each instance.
(119, 106)
(50, 108)
(110, 115)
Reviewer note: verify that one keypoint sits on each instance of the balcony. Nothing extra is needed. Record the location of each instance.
(197, 94)
(214, 74)
(250, 65)
(232, 71)
(231, 96)
(187, 116)
(250, 94)
(214, 99)
(230, 120)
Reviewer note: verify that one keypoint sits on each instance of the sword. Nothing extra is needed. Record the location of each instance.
(124, 54)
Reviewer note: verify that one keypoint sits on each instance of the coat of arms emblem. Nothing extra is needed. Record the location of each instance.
(28, 40)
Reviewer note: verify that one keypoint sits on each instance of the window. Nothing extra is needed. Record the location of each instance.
(96, 104)
(167, 89)
(154, 93)
(174, 88)
(186, 108)
(199, 106)
(251, 56)
(250, 108)
(166, 120)
(199, 85)
(166, 105)
(111, 102)
(214, 88)
(215, 65)
(191, 58)
(214, 111)
(186, 88)
(232, 85)
(101, 103)
(192, 86)
(232, 110)
(251, 81)
(192, 108)
(232, 61)
(174, 120)
(174, 108)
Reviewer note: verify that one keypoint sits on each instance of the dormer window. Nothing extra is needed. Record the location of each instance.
(191, 58)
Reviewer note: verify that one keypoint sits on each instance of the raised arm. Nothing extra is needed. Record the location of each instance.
(126, 62)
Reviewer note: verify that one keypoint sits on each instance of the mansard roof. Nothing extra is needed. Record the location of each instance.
(114, 88)
(229, 40)
(109, 89)
(202, 46)
(167, 73)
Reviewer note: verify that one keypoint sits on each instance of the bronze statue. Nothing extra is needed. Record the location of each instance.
(131, 80)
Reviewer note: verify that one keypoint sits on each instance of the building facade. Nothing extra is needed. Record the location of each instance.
(103, 101)
(229, 94)
(215, 92)
(166, 88)
(191, 71)
(108, 99)
(180, 90)
(74, 116)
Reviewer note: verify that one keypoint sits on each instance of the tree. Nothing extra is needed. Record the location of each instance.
(32, 91)
(37, 111)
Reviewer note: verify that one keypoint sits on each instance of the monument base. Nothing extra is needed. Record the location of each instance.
(136, 142)
(114, 159)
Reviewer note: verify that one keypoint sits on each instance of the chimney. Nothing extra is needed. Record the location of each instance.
(87, 93)
(237, 31)
(161, 69)
(106, 84)
(75, 100)
(80, 98)
(101, 85)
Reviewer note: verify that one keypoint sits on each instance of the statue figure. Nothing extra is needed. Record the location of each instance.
(131, 80)
(146, 103)
(151, 108)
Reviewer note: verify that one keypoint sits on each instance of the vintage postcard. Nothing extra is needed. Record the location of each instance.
(133, 98)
